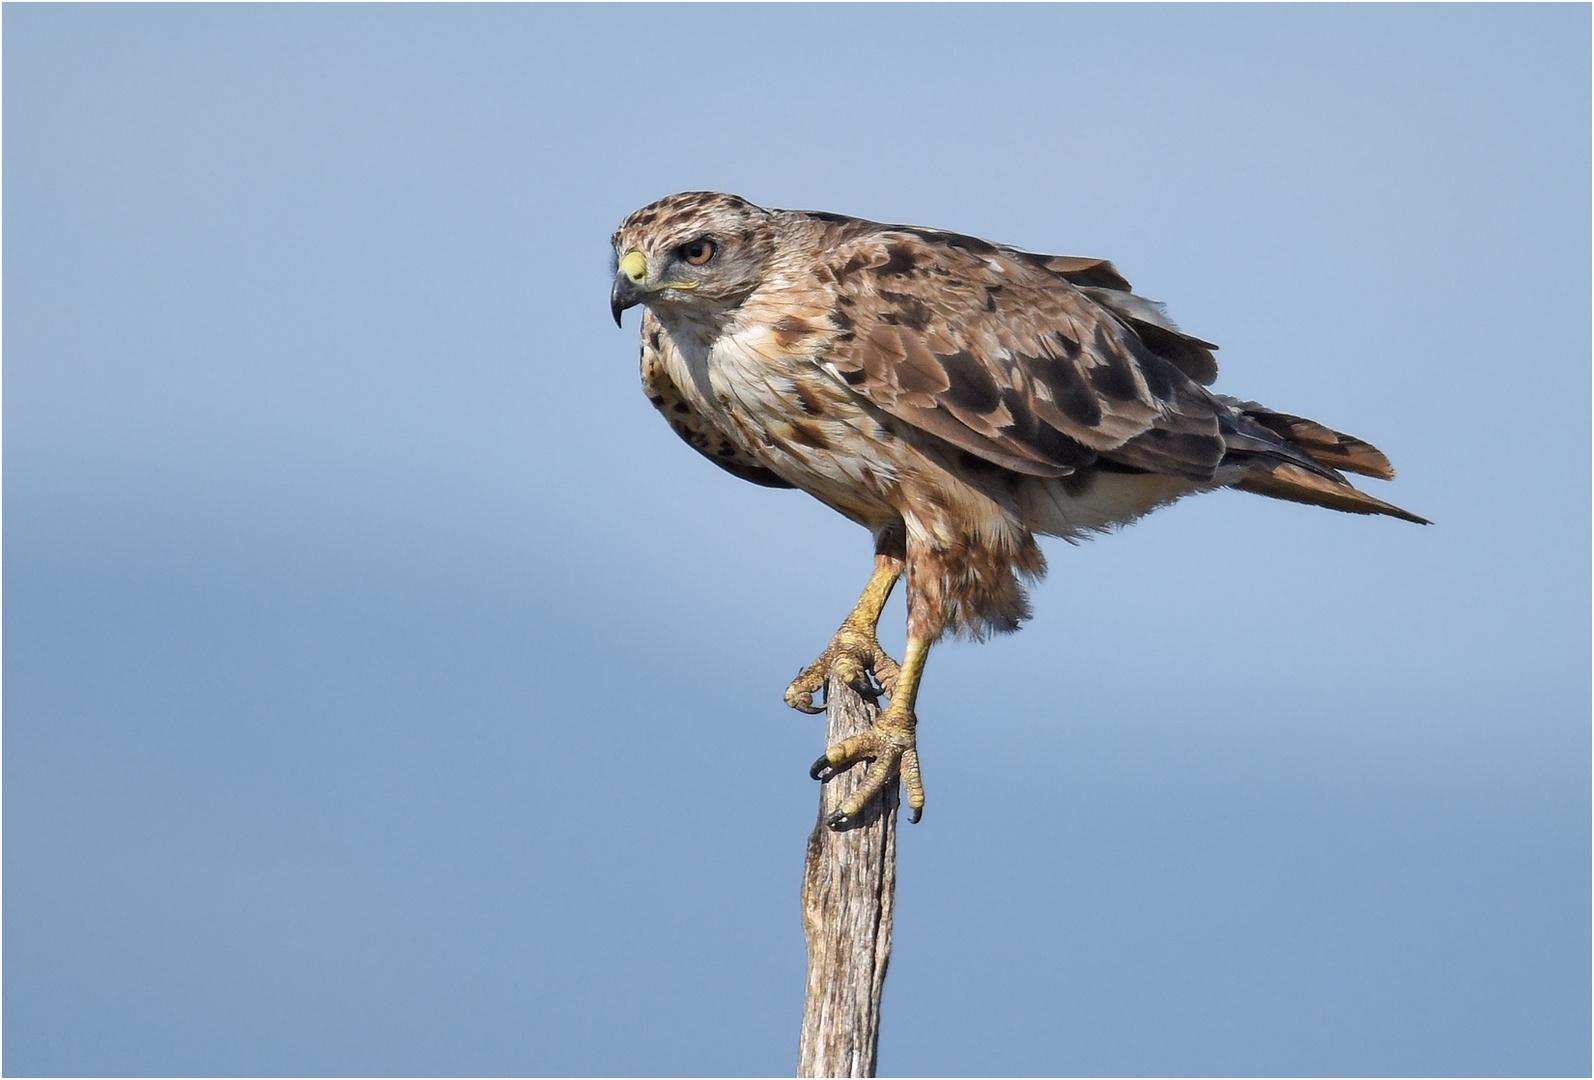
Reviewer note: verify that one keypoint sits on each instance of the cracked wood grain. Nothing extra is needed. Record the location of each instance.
(849, 887)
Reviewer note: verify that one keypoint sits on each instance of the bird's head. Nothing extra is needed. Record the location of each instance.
(695, 254)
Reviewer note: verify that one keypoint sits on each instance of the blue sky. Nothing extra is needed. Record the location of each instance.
(388, 690)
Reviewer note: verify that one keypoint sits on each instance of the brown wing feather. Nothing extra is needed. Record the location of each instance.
(696, 429)
(1000, 354)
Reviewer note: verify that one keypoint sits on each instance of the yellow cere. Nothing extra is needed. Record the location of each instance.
(634, 266)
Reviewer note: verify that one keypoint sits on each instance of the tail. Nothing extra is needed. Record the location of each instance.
(1289, 457)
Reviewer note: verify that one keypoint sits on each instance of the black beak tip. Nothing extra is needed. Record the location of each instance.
(621, 296)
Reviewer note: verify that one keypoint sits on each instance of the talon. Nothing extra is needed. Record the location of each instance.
(864, 688)
(889, 744)
(800, 697)
(914, 814)
(855, 659)
(853, 656)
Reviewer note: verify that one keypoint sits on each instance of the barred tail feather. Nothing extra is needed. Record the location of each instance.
(1325, 445)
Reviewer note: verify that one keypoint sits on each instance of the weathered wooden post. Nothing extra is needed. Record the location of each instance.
(849, 887)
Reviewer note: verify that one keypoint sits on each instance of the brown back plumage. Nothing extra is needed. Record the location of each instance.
(1001, 354)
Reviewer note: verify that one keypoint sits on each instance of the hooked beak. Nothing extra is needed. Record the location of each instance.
(629, 284)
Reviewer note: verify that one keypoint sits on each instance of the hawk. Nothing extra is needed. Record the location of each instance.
(955, 397)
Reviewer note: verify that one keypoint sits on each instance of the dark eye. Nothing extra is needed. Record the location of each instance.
(698, 252)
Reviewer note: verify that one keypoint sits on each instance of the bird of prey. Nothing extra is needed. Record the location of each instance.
(956, 398)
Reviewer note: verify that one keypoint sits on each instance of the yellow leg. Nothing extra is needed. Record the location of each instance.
(854, 651)
(889, 742)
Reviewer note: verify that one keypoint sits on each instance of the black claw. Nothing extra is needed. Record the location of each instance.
(914, 813)
(836, 819)
(822, 770)
(811, 709)
(866, 689)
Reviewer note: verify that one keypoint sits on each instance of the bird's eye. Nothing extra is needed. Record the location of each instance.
(698, 252)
